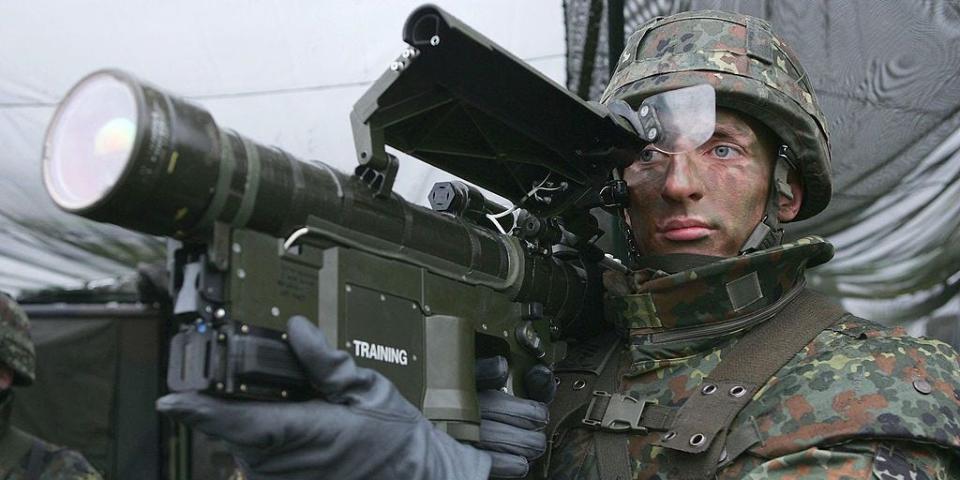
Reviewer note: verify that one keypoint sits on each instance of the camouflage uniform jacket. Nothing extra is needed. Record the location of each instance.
(859, 401)
(56, 463)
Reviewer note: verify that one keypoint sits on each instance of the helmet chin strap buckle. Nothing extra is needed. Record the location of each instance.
(762, 237)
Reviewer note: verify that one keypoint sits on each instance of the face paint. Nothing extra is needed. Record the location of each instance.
(705, 201)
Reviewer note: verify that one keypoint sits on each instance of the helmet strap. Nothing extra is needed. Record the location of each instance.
(633, 250)
(621, 202)
(768, 233)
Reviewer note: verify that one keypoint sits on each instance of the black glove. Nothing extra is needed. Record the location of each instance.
(362, 429)
(511, 428)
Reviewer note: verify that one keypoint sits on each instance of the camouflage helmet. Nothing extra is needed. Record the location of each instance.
(753, 72)
(16, 346)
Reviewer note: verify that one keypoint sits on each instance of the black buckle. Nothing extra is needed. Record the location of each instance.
(614, 194)
(614, 412)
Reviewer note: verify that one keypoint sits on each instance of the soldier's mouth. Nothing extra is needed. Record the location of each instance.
(684, 229)
(686, 234)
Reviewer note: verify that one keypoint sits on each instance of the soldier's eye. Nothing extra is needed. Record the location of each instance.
(722, 151)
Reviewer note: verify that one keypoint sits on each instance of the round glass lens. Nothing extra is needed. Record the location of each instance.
(90, 141)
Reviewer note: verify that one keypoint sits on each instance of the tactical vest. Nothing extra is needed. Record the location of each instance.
(761, 294)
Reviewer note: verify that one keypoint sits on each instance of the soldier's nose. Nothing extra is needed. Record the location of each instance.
(682, 181)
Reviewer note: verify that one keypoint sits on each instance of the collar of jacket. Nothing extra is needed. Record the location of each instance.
(713, 299)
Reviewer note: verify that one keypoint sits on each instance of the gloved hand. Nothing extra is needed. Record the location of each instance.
(511, 428)
(362, 429)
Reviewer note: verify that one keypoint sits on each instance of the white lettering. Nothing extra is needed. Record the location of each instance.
(358, 345)
(381, 353)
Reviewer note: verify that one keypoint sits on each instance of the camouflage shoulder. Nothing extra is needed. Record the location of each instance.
(874, 459)
(66, 464)
(863, 329)
(859, 380)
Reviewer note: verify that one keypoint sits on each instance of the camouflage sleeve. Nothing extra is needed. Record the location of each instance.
(69, 465)
(862, 460)
(911, 460)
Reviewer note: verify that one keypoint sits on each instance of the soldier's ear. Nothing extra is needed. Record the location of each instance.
(788, 208)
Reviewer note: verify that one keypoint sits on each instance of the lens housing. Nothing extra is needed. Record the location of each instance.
(121, 151)
(180, 173)
(90, 140)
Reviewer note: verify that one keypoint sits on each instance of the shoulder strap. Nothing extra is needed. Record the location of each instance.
(769, 346)
(697, 439)
(576, 375)
(613, 459)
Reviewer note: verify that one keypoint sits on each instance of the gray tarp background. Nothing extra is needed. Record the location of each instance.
(886, 74)
(282, 73)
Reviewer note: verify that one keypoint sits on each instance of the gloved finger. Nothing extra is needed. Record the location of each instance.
(212, 416)
(329, 369)
(500, 437)
(335, 375)
(518, 412)
(260, 425)
(508, 466)
(540, 384)
(492, 372)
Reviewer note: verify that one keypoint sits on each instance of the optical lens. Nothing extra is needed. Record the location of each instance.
(90, 141)
(687, 117)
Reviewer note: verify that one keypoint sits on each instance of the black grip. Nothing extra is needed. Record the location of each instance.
(235, 360)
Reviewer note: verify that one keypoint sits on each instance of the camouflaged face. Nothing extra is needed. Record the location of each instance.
(16, 346)
(710, 294)
(752, 71)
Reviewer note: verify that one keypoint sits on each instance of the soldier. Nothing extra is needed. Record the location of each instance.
(718, 362)
(731, 368)
(23, 456)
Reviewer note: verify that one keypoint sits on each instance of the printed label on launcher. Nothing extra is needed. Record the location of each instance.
(381, 353)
